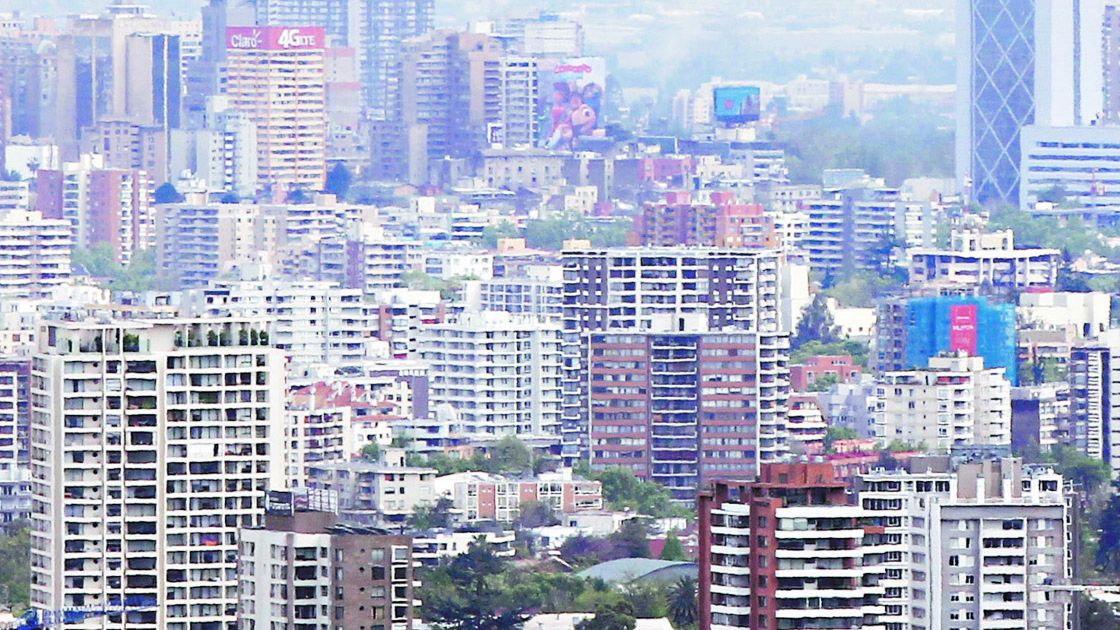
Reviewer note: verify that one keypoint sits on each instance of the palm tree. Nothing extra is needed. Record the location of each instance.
(683, 607)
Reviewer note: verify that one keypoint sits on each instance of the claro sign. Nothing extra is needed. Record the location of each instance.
(274, 38)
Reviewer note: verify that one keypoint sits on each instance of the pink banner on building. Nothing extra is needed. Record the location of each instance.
(275, 38)
(962, 328)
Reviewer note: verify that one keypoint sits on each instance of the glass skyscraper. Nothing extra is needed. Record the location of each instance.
(997, 95)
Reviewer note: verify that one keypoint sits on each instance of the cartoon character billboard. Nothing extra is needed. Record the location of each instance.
(737, 104)
(571, 104)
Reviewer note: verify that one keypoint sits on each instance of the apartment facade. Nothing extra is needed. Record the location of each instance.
(276, 76)
(487, 497)
(787, 551)
(976, 545)
(648, 289)
(1094, 402)
(152, 443)
(500, 374)
(306, 569)
(34, 254)
(955, 402)
(685, 408)
(985, 262)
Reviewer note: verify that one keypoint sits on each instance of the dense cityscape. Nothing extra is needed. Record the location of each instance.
(406, 315)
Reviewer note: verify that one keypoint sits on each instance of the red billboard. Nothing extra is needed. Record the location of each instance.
(275, 38)
(962, 328)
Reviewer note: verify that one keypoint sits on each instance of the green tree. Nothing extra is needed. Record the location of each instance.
(491, 234)
(673, 549)
(338, 181)
(15, 564)
(1097, 615)
(615, 616)
(510, 454)
(684, 607)
(648, 598)
(632, 539)
(816, 324)
(1108, 546)
(1089, 473)
(167, 193)
(536, 514)
(372, 452)
(469, 593)
(622, 490)
(856, 349)
(838, 433)
(823, 383)
(437, 516)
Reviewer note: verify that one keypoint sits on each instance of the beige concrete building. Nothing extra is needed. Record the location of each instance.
(276, 76)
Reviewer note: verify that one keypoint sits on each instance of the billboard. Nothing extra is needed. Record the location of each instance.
(571, 100)
(962, 328)
(275, 38)
(736, 104)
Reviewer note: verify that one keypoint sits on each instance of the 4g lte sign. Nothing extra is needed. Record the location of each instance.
(274, 38)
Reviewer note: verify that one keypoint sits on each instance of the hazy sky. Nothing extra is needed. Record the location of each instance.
(890, 40)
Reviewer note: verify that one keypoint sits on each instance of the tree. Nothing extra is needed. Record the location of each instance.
(684, 609)
(536, 514)
(372, 452)
(622, 490)
(647, 598)
(1108, 547)
(468, 594)
(615, 616)
(510, 454)
(856, 349)
(823, 383)
(298, 195)
(15, 564)
(491, 234)
(436, 516)
(838, 433)
(632, 539)
(338, 181)
(816, 324)
(1097, 615)
(167, 193)
(673, 549)
(1089, 473)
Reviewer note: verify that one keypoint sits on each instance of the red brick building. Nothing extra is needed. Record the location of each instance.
(842, 366)
(718, 222)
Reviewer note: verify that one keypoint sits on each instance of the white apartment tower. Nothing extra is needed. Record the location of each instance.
(500, 373)
(34, 254)
(955, 402)
(987, 546)
(152, 443)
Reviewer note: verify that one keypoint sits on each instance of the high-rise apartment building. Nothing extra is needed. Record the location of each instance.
(312, 322)
(685, 408)
(977, 545)
(275, 76)
(519, 125)
(387, 24)
(195, 243)
(153, 443)
(500, 374)
(204, 74)
(154, 75)
(956, 401)
(911, 331)
(34, 254)
(787, 551)
(338, 574)
(103, 205)
(661, 289)
(853, 229)
(225, 149)
(1094, 403)
(450, 96)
